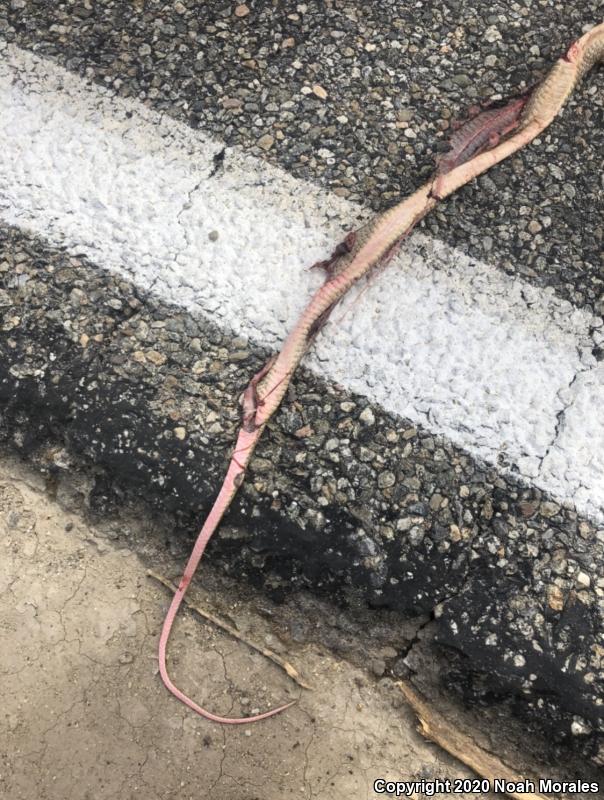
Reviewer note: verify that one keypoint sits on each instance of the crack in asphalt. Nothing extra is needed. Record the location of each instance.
(566, 405)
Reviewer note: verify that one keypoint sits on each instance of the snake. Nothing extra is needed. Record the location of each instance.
(487, 139)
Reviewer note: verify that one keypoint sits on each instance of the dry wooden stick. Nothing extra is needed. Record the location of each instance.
(280, 662)
(459, 745)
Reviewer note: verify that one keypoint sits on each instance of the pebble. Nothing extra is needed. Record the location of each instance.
(386, 480)
(266, 141)
(367, 416)
(555, 598)
(461, 79)
(377, 666)
(492, 34)
(528, 508)
(436, 501)
(231, 102)
(156, 358)
(549, 509)
(580, 727)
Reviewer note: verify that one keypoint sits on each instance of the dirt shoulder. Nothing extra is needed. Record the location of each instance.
(86, 716)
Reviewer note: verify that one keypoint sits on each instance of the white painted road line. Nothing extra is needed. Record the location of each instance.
(499, 367)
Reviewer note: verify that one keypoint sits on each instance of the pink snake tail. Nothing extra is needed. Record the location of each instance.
(245, 445)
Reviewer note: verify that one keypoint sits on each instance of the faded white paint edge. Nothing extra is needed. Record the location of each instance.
(500, 368)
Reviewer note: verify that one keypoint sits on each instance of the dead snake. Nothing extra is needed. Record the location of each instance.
(485, 141)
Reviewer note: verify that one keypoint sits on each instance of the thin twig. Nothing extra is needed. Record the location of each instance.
(462, 747)
(280, 662)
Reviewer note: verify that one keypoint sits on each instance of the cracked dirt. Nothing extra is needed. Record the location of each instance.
(84, 712)
(86, 716)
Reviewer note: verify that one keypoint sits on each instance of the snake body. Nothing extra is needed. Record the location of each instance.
(355, 258)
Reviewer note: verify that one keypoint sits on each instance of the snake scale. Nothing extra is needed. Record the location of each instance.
(483, 142)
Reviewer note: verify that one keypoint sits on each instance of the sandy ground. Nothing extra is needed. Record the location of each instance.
(85, 715)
